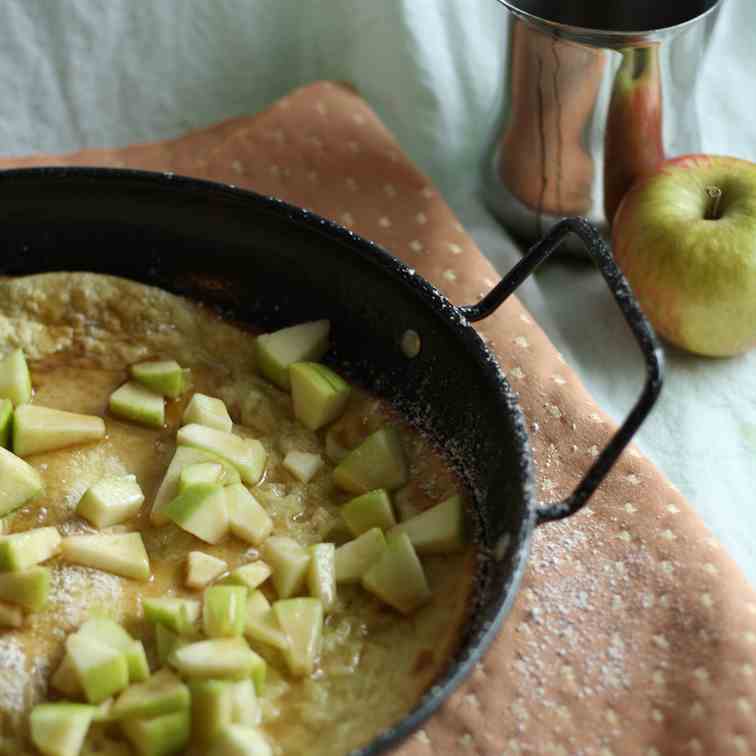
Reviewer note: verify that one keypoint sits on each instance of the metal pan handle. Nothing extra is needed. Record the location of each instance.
(636, 320)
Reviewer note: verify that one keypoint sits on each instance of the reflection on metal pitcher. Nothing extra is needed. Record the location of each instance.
(586, 111)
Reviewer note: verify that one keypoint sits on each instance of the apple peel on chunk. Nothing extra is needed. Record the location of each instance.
(19, 551)
(121, 554)
(111, 501)
(378, 462)
(15, 380)
(137, 403)
(276, 352)
(41, 429)
(164, 377)
(59, 729)
(246, 517)
(19, 482)
(208, 411)
(201, 510)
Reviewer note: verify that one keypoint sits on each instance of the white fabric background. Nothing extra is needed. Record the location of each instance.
(77, 73)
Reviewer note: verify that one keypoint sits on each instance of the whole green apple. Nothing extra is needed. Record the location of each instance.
(685, 237)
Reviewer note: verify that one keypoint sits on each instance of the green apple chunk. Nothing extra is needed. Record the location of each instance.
(301, 619)
(438, 530)
(137, 403)
(59, 729)
(239, 740)
(371, 510)
(6, 420)
(202, 569)
(20, 551)
(356, 557)
(247, 455)
(41, 429)
(250, 575)
(15, 380)
(159, 736)
(378, 462)
(28, 589)
(102, 670)
(276, 352)
(321, 575)
(177, 614)
(122, 554)
(105, 630)
(245, 708)
(167, 642)
(163, 693)
(262, 624)
(208, 411)
(225, 611)
(319, 395)
(19, 482)
(246, 518)
(398, 577)
(65, 679)
(203, 472)
(289, 562)
(202, 511)
(164, 377)
(111, 501)
(303, 466)
(10, 616)
(225, 658)
(168, 491)
(212, 708)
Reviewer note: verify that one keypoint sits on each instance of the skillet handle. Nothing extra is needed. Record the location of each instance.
(636, 320)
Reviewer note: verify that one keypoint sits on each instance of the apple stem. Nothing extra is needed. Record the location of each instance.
(714, 193)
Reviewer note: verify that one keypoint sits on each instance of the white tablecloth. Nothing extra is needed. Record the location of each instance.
(77, 73)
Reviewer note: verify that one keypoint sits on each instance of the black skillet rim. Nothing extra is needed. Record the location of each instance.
(381, 258)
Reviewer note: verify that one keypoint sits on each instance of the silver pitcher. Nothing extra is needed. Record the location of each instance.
(596, 93)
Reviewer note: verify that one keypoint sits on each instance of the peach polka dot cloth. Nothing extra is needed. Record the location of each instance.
(633, 632)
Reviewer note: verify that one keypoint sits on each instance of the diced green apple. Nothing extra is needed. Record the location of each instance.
(245, 706)
(247, 455)
(301, 619)
(41, 429)
(319, 395)
(371, 510)
(122, 554)
(15, 380)
(135, 402)
(250, 575)
(167, 642)
(321, 575)
(398, 577)
(246, 518)
(10, 615)
(101, 669)
(225, 611)
(111, 501)
(208, 411)
(289, 562)
(19, 551)
(303, 466)
(28, 589)
(164, 377)
(6, 420)
(356, 557)
(262, 624)
(226, 658)
(238, 740)
(159, 736)
(168, 491)
(59, 729)
(438, 530)
(177, 614)
(19, 482)
(202, 569)
(65, 679)
(203, 472)
(107, 631)
(212, 708)
(378, 462)
(277, 351)
(163, 693)
(202, 511)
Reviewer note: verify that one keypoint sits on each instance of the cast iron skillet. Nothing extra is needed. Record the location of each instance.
(265, 262)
